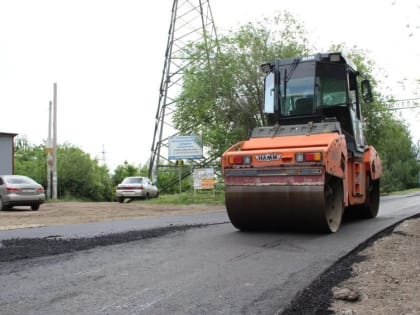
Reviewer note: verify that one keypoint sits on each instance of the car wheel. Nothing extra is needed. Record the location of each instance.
(120, 199)
(35, 206)
(2, 206)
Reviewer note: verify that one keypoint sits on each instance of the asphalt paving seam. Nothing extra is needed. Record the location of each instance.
(26, 248)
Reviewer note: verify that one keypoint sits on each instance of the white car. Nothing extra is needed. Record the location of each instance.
(136, 187)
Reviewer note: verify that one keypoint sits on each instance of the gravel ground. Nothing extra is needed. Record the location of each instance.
(381, 276)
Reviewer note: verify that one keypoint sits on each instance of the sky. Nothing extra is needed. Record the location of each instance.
(107, 56)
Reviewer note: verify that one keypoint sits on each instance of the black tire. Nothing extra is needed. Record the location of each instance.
(2, 206)
(334, 207)
(35, 206)
(120, 199)
(371, 208)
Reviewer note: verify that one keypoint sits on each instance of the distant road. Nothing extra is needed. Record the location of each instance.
(209, 270)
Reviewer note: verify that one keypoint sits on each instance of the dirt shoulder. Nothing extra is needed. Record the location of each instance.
(381, 276)
(387, 280)
(59, 213)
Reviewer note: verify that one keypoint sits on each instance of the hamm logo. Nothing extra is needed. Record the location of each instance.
(268, 157)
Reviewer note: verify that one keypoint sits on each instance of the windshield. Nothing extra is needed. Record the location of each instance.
(19, 180)
(299, 97)
(303, 88)
(133, 180)
(298, 89)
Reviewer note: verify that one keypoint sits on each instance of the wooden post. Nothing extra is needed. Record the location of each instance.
(55, 143)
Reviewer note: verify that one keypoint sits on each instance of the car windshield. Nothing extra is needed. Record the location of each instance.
(19, 180)
(133, 180)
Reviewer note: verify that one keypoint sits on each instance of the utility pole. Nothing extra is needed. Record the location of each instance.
(54, 171)
(50, 160)
(191, 22)
(52, 147)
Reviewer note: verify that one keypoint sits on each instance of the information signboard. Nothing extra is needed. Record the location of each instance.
(185, 147)
(203, 178)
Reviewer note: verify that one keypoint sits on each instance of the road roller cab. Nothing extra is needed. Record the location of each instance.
(312, 162)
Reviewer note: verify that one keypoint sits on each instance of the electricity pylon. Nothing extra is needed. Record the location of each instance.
(191, 22)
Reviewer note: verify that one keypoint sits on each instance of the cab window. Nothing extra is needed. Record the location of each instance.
(332, 84)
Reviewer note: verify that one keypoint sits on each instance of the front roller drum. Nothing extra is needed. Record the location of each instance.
(305, 207)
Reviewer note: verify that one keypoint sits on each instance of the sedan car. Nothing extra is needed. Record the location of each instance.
(18, 190)
(136, 187)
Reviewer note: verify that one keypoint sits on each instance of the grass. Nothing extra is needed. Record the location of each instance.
(187, 198)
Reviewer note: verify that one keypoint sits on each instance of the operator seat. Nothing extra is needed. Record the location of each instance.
(304, 106)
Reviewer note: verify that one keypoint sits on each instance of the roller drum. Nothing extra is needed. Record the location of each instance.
(307, 207)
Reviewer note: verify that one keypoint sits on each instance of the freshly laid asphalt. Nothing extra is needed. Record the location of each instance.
(88, 230)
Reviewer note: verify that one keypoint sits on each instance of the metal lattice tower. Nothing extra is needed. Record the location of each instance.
(191, 22)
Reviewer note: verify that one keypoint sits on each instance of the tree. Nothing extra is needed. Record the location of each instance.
(30, 160)
(389, 135)
(221, 100)
(125, 170)
(78, 175)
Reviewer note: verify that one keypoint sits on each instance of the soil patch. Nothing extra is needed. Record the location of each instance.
(59, 213)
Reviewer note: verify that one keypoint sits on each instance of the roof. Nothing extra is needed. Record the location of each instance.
(8, 134)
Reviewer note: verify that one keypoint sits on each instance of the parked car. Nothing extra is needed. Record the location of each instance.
(18, 190)
(136, 187)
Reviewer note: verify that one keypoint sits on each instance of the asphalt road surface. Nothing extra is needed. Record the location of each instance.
(196, 269)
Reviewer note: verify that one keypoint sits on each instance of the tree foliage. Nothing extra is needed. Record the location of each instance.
(221, 100)
(78, 175)
(30, 160)
(388, 134)
(125, 170)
